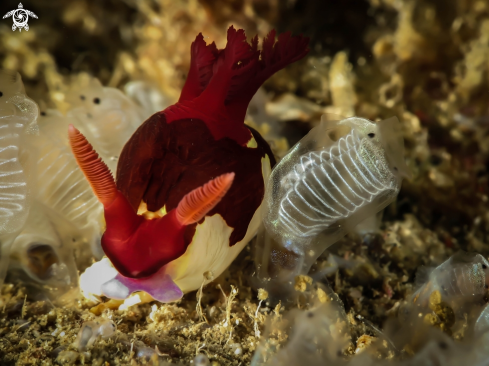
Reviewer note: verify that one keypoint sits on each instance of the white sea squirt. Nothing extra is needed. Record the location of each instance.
(18, 116)
(91, 330)
(316, 336)
(61, 185)
(481, 327)
(106, 116)
(462, 281)
(338, 175)
(148, 96)
(44, 248)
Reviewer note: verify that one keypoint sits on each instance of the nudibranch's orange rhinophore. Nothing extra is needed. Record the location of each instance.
(190, 181)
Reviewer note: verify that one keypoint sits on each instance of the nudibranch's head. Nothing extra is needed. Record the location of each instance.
(139, 246)
(387, 134)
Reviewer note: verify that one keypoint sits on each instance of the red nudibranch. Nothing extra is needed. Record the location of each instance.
(190, 181)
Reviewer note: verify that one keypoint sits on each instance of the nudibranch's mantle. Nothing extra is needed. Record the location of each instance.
(162, 162)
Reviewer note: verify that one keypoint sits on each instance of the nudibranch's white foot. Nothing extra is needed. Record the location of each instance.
(94, 277)
(102, 279)
(159, 286)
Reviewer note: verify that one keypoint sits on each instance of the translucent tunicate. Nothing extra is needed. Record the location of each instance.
(434, 350)
(267, 125)
(18, 116)
(317, 336)
(90, 331)
(106, 116)
(60, 184)
(482, 324)
(44, 247)
(338, 175)
(148, 96)
(201, 360)
(480, 338)
(460, 282)
(145, 353)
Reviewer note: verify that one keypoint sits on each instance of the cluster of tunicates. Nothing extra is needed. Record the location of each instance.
(337, 180)
(47, 207)
(448, 301)
(106, 116)
(315, 336)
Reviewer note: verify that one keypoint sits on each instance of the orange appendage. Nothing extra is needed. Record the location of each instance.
(92, 166)
(198, 202)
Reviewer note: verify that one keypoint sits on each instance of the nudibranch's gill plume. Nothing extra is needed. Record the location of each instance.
(138, 247)
(221, 83)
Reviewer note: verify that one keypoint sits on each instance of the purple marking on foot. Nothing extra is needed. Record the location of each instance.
(160, 286)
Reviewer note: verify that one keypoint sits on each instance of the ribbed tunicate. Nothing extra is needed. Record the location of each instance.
(18, 116)
(62, 185)
(13, 184)
(332, 185)
(337, 176)
(460, 281)
(44, 248)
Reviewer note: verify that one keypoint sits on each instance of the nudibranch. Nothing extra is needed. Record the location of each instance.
(191, 179)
